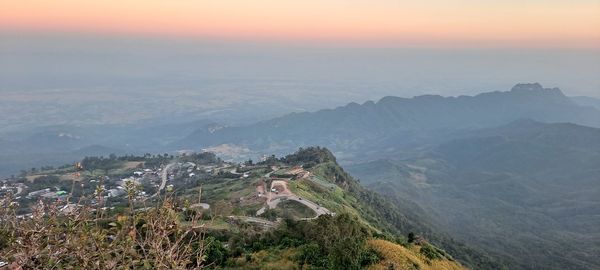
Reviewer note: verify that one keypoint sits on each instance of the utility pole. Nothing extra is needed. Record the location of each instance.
(200, 194)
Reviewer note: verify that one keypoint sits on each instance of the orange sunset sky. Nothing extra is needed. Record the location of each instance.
(533, 23)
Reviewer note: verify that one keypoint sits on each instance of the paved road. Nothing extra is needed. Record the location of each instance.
(274, 199)
(315, 207)
(268, 175)
(164, 177)
(234, 171)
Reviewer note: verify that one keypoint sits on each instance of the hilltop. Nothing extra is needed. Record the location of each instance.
(281, 213)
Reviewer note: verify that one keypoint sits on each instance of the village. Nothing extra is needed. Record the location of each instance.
(267, 187)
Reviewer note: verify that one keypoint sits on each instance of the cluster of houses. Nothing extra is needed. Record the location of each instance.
(47, 193)
(145, 172)
(12, 188)
(120, 189)
(192, 168)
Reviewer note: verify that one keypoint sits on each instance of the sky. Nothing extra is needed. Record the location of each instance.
(242, 60)
(425, 23)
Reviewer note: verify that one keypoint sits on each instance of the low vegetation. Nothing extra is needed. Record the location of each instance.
(71, 237)
(395, 256)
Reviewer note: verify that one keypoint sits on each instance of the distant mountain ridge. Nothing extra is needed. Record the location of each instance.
(587, 101)
(355, 127)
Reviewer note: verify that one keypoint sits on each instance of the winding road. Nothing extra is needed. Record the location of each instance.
(19, 190)
(164, 177)
(274, 199)
(315, 207)
(234, 171)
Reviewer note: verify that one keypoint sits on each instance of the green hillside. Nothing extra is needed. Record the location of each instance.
(298, 212)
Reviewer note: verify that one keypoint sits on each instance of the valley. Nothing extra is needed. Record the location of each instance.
(522, 191)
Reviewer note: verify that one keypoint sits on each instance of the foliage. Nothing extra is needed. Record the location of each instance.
(45, 181)
(310, 253)
(324, 243)
(430, 252)
(201, 158)
(411, 237)
(310, 155)
(100, 163)
(270, 214)
(370, 256)
(80, 239)
(394, 256)
(215, 252)
(340, 241)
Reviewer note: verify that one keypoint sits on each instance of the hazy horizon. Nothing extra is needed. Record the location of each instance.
(58, 78)
(36, 60)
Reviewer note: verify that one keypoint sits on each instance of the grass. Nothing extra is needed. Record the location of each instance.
(215, 224)
(227, 189)
(32, 177)
(406, 258)
(295, 209)
(336, 200)
(132, 164)
(266, 259)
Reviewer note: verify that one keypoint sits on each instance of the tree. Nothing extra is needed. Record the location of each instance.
(411, 237)
(311, 254)
(346, 253)
(215, 252)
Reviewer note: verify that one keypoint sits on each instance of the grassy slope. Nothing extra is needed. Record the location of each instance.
(391, 254)
(383, 215)
(336, 191)
(406, 258)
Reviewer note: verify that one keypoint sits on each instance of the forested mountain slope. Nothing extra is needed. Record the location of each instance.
(526, 192)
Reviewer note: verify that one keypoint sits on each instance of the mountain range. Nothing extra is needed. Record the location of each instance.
(394, 123)
(526, 192)
(355, 132)
(587, 101)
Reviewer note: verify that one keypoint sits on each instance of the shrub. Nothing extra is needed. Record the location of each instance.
(370, 256)
(430, 252)
(55, 239)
